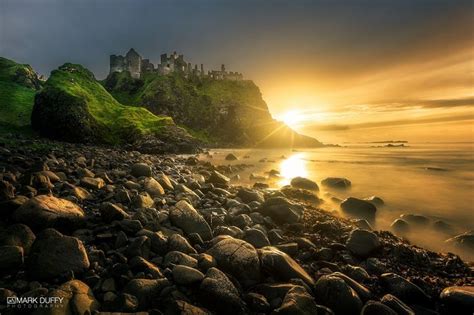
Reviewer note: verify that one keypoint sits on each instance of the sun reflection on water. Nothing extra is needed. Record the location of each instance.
(293, 166)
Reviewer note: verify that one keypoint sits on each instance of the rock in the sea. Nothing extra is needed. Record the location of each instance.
(78, 298)
(281, 266)
(140, 169)
(335, 293)
(458, 300)
(11, 258)
(185, 275)
(219, 179)
(416, 219)
(231, 157)
(304, 183)
(47, 211)
(404, 289)
(238, 258)
(377, 308)
(217, 287)
(463, 241)
(54, 254)
(153, 187)
(358, 208)
(336, 182)
(281, 210)
(297, 302)
(184, 216)
(376, 201)
(17, 235)
(362, 243)
(145, 290)
(400, 227)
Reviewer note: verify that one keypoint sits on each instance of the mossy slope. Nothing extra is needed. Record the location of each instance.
(18, 85)
(220, 112)
(73, 106)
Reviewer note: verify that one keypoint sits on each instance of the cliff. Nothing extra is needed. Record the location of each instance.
(74, 107)
(219, 112)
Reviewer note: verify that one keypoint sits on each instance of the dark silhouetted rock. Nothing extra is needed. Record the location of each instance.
(358, 208)
(336, 182)
(362, 242)
(304, 183)
(281, 210)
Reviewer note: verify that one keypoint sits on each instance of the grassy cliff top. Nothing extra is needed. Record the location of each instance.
(78, 82)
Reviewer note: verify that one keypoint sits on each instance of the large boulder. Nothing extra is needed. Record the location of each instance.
(184, 216)
(335, 293)
(54, 254)
(362, 243)
(304, 183)
(47, 211)
(281, 266)
(77, 298)
(220, 294)
(359, 208)
(238, 258)
(458, 300)
(281, 210)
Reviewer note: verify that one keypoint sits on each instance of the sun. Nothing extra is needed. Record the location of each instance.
(292, 118)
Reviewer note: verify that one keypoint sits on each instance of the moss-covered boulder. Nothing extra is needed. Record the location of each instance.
(74, 107)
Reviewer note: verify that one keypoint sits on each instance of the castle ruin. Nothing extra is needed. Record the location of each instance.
(137, 66)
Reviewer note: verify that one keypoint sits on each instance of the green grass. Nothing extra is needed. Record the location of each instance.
(120, 120)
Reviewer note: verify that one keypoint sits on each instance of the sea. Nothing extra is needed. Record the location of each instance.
(435, 180)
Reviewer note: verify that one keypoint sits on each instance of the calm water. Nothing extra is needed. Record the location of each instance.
(435, 180)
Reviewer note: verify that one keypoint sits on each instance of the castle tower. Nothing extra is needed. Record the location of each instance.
(202, 69)
(134, 62)
(223, 68)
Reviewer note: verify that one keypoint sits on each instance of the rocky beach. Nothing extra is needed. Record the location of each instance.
(97, 230)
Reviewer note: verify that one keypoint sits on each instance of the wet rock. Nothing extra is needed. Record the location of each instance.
(362, 243)
(463, 241)
(230, 157)
(416, 219)
(358, 208)
(92, 183)
(217, 178)
(145, 290)
(153, 187)
(336, 182)
(397, 305)
(184, 216)
(247, 195)
(304, 183)
(404, 289)
(377, 308)
(297, 301)
(140, 169)
(78, 299)
(110, 212)
(53, 254)
(185, 275)
(443, 227)
(335, 293)
(458, 299)
(281, 210)
(217, 287)
(11, 258)
(256, 237)
(281, 266)
(376, 201)
(238, 258)
(400, 227)
(47, 211)
(17, 235)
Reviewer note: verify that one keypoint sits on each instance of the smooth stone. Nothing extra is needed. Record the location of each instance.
(400, 227)
(397, 305)
(45, 211)
(178, 243)
(281, 210)
(184, 216)
(362, 243)
(404, 289)
(238, 258)
(53, 254)
(179, 258)
(458, 299)
(256, 237)
(140, 169)
(336, 182)
(231, 157)
(185, 275)
(142, 200)
(217, 287)
(93, 182)
(416, 219)
(463, 241)
(165, 182)
(297, 302)
(335, 293)
(247, 195)
(304, 183)
(217, 178)
(358, 208)
(110, 212)
(376, 201)
(17, 235)
(153, 187)
(281, 266)
(377, 308)
(363, 293)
